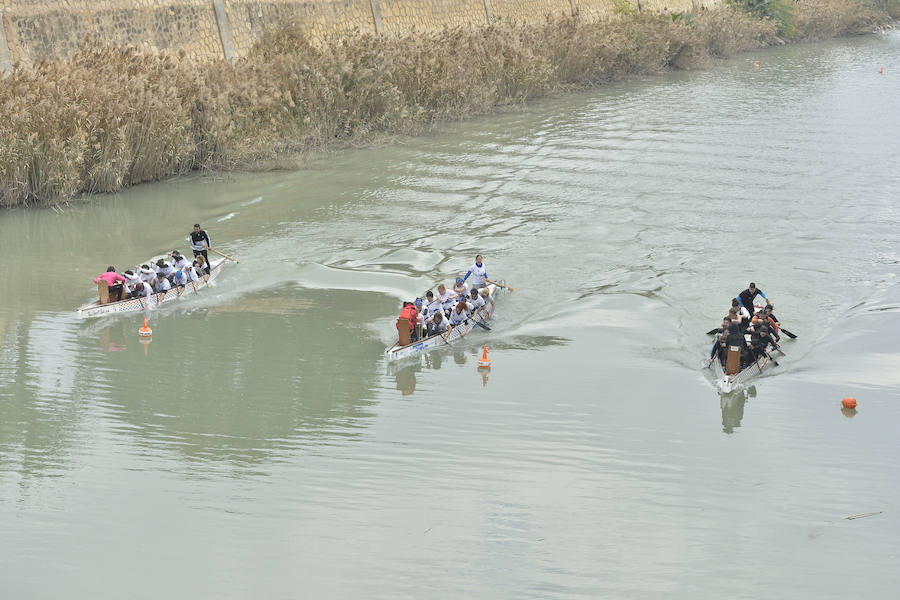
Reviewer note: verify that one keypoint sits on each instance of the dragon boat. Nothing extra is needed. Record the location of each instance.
(399, 350)
(104, 305)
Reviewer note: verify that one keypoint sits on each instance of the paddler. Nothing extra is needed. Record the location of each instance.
(476, 301)
(178, 260)
(436, 323)
(478, 273)
(460, 288)
(445, 297)
(164, 270)
(460, 313)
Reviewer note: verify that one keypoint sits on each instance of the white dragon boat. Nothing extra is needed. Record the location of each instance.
(398, 351)
(103, 305)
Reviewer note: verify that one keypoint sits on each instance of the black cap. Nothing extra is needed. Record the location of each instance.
(429, 294)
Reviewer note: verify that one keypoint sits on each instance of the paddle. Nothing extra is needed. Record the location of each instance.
(788, 333)
(713, 331)
(482, 325)
(512, 289)
(224, 255)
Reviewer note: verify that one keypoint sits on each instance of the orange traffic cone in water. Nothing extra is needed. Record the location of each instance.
(484, 361)
(145, 331)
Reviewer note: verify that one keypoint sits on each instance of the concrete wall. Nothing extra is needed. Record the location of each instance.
(33, 30)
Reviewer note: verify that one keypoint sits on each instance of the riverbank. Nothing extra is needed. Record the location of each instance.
(108, 118)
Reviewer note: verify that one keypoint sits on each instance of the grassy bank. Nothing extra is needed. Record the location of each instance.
(109, 118)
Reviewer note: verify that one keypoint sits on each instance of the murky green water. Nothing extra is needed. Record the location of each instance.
(260, 447)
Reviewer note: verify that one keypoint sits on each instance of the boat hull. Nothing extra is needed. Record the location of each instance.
(95, 309)
(729, 383)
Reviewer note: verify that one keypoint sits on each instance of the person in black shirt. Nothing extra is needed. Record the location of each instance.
(747, 296)
(200, 242)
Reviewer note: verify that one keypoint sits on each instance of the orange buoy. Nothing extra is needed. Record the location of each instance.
(881, 70)
(145, 331)
(484, 361)
(756, 65)
(849, 402)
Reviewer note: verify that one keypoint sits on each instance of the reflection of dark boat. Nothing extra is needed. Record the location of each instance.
(398, 351)
(733, 408)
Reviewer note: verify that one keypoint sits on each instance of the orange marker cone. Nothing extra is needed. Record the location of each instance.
(484, 361)
(849, 402)
(145, 331)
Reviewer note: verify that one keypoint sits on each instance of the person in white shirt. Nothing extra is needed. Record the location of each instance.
(476, 301)
(460, 313)
(130, 280)
(478, 273)
(191, 273)
(141, 290)
(180, 279)
(162, 285)
(147, 274)
(436, 323)
(460, 288)
(446, 297)
(164, 270)
(178, 260)
(432, 304)
(486, 296)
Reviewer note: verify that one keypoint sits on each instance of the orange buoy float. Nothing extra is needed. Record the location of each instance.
(881, 70)
(756, 65)
(145, 331)
(848, 402)
(484, 361)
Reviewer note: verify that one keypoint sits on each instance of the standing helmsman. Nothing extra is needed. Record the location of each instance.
(478, 273)
(200, 242)
(746, 297)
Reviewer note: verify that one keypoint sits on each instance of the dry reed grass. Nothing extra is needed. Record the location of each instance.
(108, 118)
(822, 19)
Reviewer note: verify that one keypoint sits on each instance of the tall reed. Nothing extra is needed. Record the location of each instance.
(108, 118)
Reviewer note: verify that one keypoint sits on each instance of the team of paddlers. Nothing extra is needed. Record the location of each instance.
(754, 332)
(439, 313)
(163, 275)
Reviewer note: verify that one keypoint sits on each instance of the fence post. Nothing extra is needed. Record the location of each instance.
(5, 61)
(489, 11)
(574, 8)
(376, 16)
(224, 29)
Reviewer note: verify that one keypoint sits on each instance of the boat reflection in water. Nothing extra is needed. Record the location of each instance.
(733, 407)
(404, 370)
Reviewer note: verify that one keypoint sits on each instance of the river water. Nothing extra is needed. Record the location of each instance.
(261, 447)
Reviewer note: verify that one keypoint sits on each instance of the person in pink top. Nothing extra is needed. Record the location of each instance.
(114, 281)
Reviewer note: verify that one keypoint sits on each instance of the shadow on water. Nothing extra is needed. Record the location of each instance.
(241, 383)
